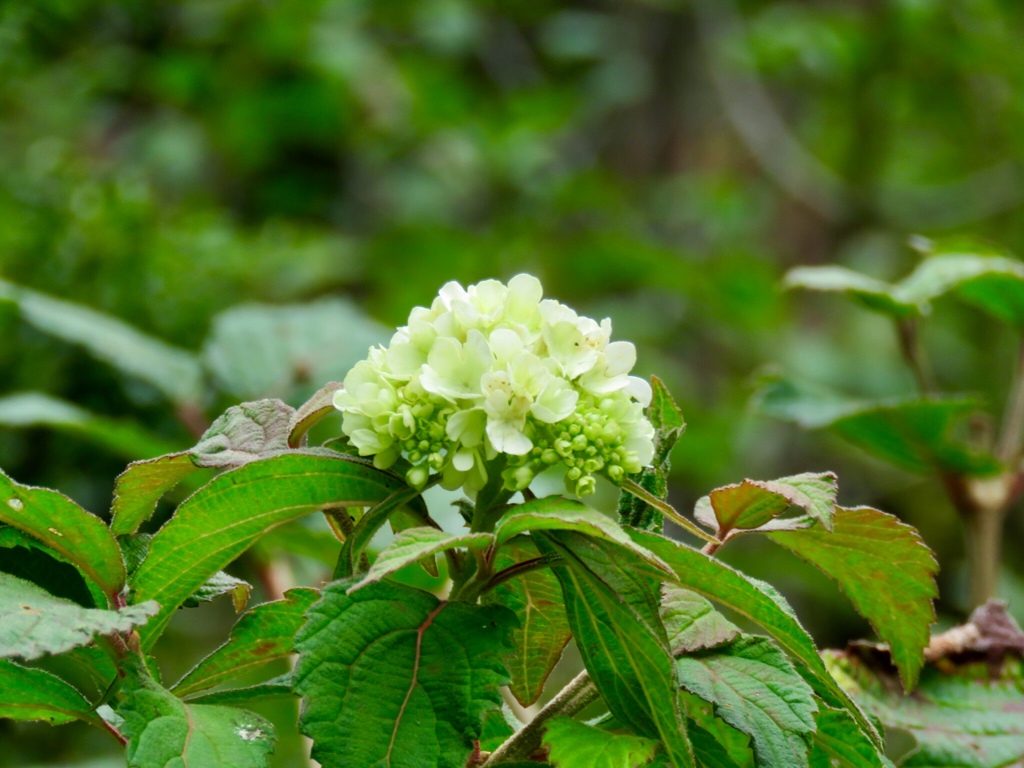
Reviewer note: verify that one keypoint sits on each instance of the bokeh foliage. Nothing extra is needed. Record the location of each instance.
(662, 163)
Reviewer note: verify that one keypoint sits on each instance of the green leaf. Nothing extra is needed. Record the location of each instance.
(245, 433)
(80, 538)
(282, 686)
(220, 521)
(136, 550)
(576, 745)
(256, 350)
(33, 622)
(163, 731)
(261, 634)
(962, 716)
(175, 372)
(28, 558)
(139, 488)
(612, 606)
(555, 513)
(35, 694)
(839, 743)
(498, 726)
(221, 584)
(916, 435)
(873, 294)
(753, 503)
(543, 630)
(392, 676)
(123, 438)
(309, 413)
(241, 434)
(716, 744)
(758, 602)
(992, 283)
(414, 544)
(868, 548)
(691, 622)
(756, 690)
(362, 534)
(665, 417)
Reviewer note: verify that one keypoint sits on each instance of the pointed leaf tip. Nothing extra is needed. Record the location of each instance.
(868, 548)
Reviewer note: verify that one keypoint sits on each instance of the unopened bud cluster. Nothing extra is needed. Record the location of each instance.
(496, 376)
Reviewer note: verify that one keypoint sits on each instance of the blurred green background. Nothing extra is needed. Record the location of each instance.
(660, 163)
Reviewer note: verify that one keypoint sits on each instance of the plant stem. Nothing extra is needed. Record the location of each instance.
(982, 503)
(519, 569)
(1013, 420)
(910, 347)
(984, 539)
(666, 509)
(575, 696)
(711, 547)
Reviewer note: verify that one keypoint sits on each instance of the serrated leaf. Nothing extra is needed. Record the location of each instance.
(81, 538)
(258, 350)
(868, 548)
(163, 731)
(913, 434)
(139, 488)
(173, 371)
(393, 676)
(876, 295)
(33, 622)
(221, 520)
(665, 416)
(753, 503)
(37, 409)
(612, 606)
(244, 433)
(413, 545)
(543, 631)
(555, 513)
(756, 690)
(577, 745)
(758, 602)
(961, 716)
(309, 413)
(992, 283)
(691, 622)
(35, 694)
(219, 584)
(839, 743)
(262, 634)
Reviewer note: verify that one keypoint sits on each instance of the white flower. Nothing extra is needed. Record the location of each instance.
(493, 371)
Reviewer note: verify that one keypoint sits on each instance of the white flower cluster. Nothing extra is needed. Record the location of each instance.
(496, 377)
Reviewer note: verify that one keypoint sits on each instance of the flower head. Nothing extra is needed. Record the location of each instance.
(493, 377)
